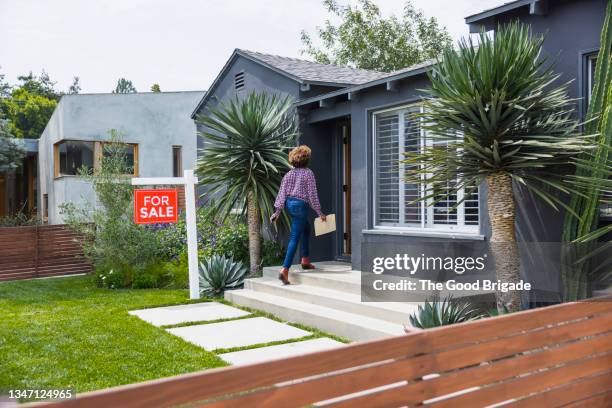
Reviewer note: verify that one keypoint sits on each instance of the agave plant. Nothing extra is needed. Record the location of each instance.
(219, 273)
(437, 312)
(244, 158)
(503, 119)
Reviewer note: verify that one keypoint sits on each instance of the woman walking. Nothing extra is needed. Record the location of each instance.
(297, 192)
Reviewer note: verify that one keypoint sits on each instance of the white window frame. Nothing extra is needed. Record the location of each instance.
(591, 59)
(427, 220)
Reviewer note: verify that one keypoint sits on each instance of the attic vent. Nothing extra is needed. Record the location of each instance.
(239, 81)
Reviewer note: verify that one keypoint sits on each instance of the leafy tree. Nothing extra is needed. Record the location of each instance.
(499, 118)
(365, 39)
(124, 86)
(245, 158)
(39, 85)
(155, 88)
(29, 105)
(11, 151)
(27, 112)
(75, 88)
(5, 88)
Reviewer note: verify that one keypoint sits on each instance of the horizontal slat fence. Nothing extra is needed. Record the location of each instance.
(554, 356)
(40, 251)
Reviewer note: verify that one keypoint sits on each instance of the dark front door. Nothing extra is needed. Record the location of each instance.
(345, 134)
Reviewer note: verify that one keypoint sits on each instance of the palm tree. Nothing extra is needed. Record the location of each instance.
(244, 158)
(503, 120)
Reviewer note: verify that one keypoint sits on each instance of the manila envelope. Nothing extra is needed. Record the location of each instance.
(324, 227)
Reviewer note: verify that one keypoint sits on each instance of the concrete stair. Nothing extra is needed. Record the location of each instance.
(327, 298)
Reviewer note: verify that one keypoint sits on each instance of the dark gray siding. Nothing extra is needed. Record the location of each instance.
(572, 29)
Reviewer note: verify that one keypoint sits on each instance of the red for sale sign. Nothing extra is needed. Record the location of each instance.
(155, 206)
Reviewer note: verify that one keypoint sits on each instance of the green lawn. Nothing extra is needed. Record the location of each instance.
(65, 332)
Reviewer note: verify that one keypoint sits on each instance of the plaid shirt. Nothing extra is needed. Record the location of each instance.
(298, 183)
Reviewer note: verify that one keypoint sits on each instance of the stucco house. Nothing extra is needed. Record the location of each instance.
(357, 122)
(159, 135)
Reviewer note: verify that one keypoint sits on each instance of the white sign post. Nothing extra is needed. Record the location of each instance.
(189, 181)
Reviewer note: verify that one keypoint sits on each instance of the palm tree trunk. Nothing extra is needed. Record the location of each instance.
(254, 221)
(502, 215)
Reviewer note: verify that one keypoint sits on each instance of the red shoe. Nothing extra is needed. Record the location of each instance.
(283, 276)
(308, 266)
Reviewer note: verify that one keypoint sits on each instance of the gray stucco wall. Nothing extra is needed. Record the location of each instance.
(155, 121)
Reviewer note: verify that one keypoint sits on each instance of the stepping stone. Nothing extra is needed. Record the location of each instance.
(237, 333)
(258, 355)
(197, 312)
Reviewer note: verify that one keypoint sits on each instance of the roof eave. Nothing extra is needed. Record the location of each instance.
(359, 87)
(480, 17)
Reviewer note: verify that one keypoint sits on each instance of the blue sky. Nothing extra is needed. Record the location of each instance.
(180, 44)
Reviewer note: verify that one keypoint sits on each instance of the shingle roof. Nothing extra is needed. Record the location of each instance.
(309, 71)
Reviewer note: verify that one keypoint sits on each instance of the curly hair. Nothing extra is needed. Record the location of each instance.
(300, 156)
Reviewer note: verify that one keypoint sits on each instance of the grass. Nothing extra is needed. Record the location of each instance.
(65, 332)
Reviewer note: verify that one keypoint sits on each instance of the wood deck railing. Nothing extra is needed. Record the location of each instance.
(40, 251)
(552, 356)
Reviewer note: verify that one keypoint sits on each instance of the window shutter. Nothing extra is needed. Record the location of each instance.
(387, 174)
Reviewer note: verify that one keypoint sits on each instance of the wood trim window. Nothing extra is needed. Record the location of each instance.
(397, 131)
(177, 161)
(71, 155)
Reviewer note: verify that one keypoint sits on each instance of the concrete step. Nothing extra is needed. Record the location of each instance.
(330, 275)
(393, 312)
(349, 325)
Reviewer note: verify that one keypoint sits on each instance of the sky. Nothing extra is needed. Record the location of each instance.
(179, 44)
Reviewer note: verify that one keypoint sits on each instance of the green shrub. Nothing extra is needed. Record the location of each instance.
(272, 253)
(17, 220)
(178, 272)
(439, 312)
(219, 273)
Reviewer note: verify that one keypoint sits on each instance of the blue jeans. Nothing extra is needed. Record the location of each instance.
(300, 229)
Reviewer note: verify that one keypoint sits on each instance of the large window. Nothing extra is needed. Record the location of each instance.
(72, 155)
(396, 132)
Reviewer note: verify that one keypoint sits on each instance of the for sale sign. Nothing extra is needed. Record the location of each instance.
(155, 206)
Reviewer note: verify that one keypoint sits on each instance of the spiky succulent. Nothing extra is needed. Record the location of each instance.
(441, 312)
(219, 273)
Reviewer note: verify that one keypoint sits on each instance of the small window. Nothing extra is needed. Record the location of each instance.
(177, 161)
(45, 204)
(71, 155)
(239, 81)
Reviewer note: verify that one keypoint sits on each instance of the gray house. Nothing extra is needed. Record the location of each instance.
(159, 135)
(358, 122)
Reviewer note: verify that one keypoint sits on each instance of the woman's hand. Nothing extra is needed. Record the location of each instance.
(274, 217)
(323, 217)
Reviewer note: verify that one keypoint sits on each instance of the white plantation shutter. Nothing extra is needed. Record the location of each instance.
(387, 171)
(395, 133)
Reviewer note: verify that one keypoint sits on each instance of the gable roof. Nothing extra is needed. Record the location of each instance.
(300, 70)
(309, 71)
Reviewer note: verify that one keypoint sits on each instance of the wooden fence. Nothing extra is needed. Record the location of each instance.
(40, 251)
(553, 356)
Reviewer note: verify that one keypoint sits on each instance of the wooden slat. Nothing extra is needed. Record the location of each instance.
(45, 250)
(523, 386)
(570, 393)
(330, 386)
(417, 392)
(218, 382)
(601, 400)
